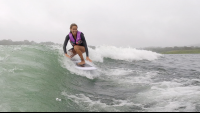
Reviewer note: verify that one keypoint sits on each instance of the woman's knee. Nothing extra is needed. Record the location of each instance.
(76, 48)
(81, 48)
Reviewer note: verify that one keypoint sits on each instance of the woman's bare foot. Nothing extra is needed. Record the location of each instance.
(81, 63)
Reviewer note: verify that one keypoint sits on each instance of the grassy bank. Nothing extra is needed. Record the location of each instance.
(175, 50)
(182, 52)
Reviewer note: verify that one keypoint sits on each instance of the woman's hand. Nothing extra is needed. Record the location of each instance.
(87, 58)
(67, 55)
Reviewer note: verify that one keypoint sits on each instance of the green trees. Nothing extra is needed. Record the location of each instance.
(175, 50)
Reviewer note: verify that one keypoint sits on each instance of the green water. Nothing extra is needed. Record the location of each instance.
(31, 79)
(39, 78)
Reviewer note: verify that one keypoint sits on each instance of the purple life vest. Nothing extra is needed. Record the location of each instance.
(78, 39)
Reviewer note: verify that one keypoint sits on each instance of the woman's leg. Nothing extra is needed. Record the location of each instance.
(72, 52)
(80, 50)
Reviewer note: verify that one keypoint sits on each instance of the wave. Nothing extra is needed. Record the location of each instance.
(121, 53)
(98, 53)
(42, 76)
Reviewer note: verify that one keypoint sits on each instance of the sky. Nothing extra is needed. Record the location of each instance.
(121, 23)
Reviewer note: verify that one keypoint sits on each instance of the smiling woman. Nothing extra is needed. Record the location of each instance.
(78, 42)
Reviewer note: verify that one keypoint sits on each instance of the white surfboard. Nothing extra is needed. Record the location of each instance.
(86, 66)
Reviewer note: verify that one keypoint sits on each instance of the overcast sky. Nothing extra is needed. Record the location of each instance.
(135, 23)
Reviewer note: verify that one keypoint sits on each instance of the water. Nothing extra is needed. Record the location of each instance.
(39, 78)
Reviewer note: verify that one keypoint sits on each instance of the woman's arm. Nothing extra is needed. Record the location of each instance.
(84, 44)
(86, 48)
(65, 44)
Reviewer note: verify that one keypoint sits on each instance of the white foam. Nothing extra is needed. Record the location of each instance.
(133, 76)
(97, 105)
(71, 67)
(117, 53)
(101, 52)
(57, 99)
(175, 106)
(68, 64)
(17, 48)
(117, 72)
(4, 58)
(14, 69)
(121, 53)
(172, 96)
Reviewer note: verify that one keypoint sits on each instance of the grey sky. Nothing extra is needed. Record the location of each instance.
(135, 23)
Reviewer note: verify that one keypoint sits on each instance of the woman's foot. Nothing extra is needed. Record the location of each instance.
(81, 63)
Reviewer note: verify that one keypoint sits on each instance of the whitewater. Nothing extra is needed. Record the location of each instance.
(39, 78)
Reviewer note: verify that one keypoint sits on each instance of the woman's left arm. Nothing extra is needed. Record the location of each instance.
(85, 45)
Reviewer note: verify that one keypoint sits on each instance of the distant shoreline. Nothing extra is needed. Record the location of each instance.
(175, 50)
(25, 42)
(182, 52)
(161, 50)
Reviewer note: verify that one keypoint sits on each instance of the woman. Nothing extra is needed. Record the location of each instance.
(78, 42)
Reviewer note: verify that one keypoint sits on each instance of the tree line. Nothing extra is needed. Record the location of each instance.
(175, 48)
(25, 42)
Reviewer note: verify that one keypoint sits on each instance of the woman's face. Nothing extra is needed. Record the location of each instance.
(74, 30)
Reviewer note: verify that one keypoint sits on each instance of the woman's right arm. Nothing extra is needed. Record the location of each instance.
(65, 44)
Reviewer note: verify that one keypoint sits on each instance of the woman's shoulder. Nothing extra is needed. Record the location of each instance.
(67, 36)
(82, 34)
